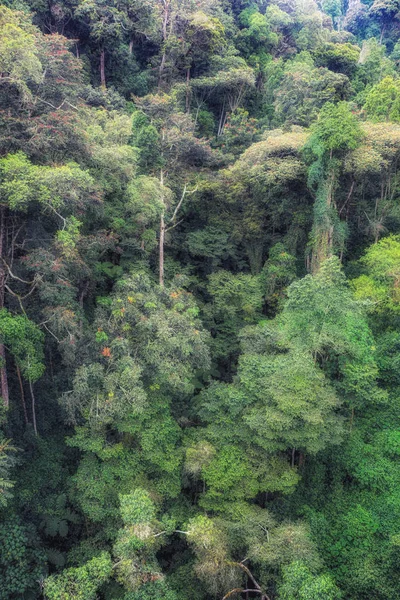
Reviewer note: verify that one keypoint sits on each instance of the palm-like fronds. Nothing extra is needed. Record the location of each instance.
(7, 461)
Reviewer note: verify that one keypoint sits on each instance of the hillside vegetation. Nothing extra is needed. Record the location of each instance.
(199, 300)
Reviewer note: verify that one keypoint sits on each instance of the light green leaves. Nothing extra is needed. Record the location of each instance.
(300, 583)
(293, 404)
(336, 131)
(66, 187)
(19, 52)
(103, 393)
(383, 101)
(80, 583)
(379, 285)
(137, 508)
(24, 340)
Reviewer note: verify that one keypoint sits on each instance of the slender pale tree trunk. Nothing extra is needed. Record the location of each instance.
(33, 407)
(162, 241)
(383, 30)
(3, 375)
(162, 234)
(222, 120)
(21, 387)
(102, 68)
(3, 364)
(161, 71)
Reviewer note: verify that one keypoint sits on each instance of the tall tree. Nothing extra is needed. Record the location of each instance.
(335, 134)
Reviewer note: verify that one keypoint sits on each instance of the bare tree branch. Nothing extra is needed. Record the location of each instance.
(174, 225)
(249, 574)
(15, 276)
(185, 191)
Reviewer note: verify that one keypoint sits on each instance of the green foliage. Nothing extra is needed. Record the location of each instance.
(19, 51)
(157, 590)
(206, 122)
(137, 508)
(6, 463)
(287, 391)
(278, 272)
(21, 559)
(210, 547)
(304, 90)
(102, 394)
(235, 297)
(137, 543)
(332, 8)
(25, 342)
(336, 132)
(300, 584)
(323, 318)
(146, 139)
(373, 66)
(382, 101)
(236, 301)
(297, 408)
(256, 31)
(81, 583)
(340, 58)
(66, 187)
(378, 284)
(235, 425)
(210, 242)
(239, 132)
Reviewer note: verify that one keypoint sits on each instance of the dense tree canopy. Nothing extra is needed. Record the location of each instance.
(199, 300)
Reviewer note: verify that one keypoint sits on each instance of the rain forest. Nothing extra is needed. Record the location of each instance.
(200, 300)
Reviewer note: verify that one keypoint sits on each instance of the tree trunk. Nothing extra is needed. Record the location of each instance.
(187, 90)
(3, 376)
(323, 229)
(161, 71)
(162, 240)
(162, 237)
(21, 386)
(165, 35)
(222, 121)
(102, 69)
(82, 296)
(3, 365)
(33, 408)
(131, 46)
(382, 34)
